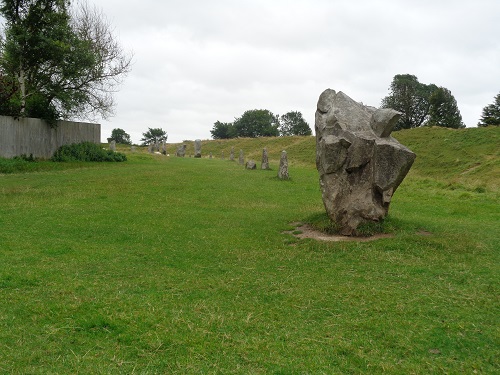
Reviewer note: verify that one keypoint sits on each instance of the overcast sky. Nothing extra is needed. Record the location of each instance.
(201, 61)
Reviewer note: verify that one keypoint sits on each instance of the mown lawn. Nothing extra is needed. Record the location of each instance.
(172, 265)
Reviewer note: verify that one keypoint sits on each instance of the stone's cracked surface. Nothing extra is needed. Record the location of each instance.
(359, 163)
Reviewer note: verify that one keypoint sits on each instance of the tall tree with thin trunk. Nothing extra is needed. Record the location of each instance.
(443, 110)
(411, 98)
(65, 61)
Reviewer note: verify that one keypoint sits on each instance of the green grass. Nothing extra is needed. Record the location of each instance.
(179, 265)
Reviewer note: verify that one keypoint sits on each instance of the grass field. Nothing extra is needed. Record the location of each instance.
(180, 265)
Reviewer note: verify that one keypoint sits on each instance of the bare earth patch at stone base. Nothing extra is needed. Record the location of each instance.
(306, 231)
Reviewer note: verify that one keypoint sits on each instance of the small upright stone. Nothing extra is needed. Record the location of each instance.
(222, 156)
(151, 148)
(231, 155)
(112, 145)
(164, 148)
(197, 148)
(242, 158)
(210, 155)
(132, 148)
(181, 151)
(251, 164)
(283, 170)
(265, 159)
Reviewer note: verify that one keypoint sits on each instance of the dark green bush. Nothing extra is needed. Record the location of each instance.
(25, 157)
(17, 164)
(86, 151)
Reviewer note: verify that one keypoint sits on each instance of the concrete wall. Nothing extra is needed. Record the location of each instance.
(34, 136)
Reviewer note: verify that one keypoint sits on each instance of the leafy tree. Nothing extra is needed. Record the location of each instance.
(155, 135)
(257, 123)
(443, 110)
(64, 64)
(223, 130)
(120, 136)
(292, 123)
(491, 114)
(411, 98)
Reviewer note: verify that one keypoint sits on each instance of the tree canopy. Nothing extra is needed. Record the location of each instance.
(422, 104)
(292, 123)
(411, 98)
(59, 62)
(443, 110)
(257, 123)
(154, 135)
(491, 114)
(120, 136)
(262, 123)
(223, 130)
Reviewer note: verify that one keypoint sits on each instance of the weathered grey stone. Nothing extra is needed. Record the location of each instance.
(151, 148)
(222, 156)
(210, 155)
(197, 148)
(359, 163)
(181, 151)
(132, 148)
(251, 164)
(231, 155)
(241, 159)
(265, 159)
(112, 145)
(283, 170)
(164, 148)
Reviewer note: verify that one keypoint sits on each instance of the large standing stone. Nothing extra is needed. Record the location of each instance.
(112, 145)
(241, 159)
(283, 170)
(231, 155)
(181, 151)
(164, 148)
(359, 163)
(265, 159)
(197, 148)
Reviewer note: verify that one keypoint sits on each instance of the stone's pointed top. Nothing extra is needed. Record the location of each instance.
(325, 100)
(347, 114)
(383, 121)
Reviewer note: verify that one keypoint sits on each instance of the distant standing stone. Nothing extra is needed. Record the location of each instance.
(132, 148)
(197, 148)
(283, 171)
(210, 155)
(112, 145)
(164, 148)
(231, 155)
(151, 148)
(265, 160)
(251, 164)
(242, 158)
(181, 151)
(222, 155)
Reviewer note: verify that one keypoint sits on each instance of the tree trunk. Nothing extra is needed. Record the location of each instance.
(22, 86)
